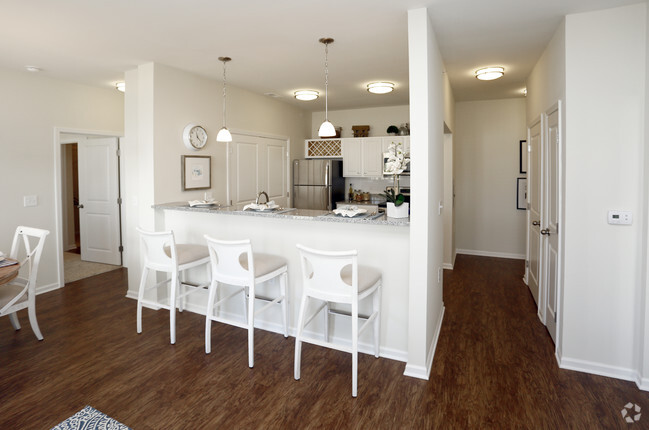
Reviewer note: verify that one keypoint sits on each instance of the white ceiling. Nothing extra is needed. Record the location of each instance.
(274, 44)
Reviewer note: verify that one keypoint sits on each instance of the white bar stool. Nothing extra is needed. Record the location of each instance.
(163, 254)
(336, 277)
(234, 263)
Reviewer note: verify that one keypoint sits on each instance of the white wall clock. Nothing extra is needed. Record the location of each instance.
(194, 137)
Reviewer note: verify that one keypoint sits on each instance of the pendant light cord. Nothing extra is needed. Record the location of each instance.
(326, 81)
(224, 63)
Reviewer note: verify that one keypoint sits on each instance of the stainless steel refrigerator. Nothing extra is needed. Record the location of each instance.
(318, 183)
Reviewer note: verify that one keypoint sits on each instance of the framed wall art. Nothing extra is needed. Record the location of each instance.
(196, 172)
(521, 194)
(522, 156)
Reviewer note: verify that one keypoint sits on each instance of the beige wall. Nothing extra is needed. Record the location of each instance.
(378, 118)
(486, 164)
(160, 102)
(603, 155)
(31, 107)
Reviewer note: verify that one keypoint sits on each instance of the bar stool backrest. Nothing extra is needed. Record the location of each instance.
(156, 245)
(232, 261)
(324, 274)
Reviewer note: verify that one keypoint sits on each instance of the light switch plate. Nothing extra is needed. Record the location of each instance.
(29, 201)
(616, 217)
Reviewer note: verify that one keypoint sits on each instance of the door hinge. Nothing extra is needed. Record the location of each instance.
(555, 317)
(527, 206)
(118, 152)
(121, 248)
(119, 200)
(527, 263)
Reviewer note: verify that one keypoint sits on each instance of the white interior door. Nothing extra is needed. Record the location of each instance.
(257, 164)
(550, 232)
(534, 193)
(98, 200)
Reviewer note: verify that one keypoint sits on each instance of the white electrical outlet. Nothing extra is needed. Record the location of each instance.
(620, 217)
(30, 201)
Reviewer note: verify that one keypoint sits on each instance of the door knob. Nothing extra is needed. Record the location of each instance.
(537, 223)
(545, 231)
(80, 206)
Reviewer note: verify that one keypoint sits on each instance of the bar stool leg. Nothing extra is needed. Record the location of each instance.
(282, 286)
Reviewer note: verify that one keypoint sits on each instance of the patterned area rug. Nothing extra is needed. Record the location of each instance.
(90, 418)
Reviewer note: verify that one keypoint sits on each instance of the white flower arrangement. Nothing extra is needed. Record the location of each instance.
(396, 161)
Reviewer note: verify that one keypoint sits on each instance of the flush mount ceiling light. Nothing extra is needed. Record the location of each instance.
(489, 73)
(224, 134)
(32, 69)
(120, 86)
(380, 87)
(306, 95)
(326, 128)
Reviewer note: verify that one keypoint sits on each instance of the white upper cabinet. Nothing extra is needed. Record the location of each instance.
(362, 157)
(404, 140)
(352, 157)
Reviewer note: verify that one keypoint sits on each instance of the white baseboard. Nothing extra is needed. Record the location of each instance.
(599, 369)
(363, 347)
(448, 266)
(423, 372)
(491, 254)
(47, 288)
(642, 383)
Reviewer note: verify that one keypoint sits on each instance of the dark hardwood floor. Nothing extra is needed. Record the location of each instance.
(494, 369)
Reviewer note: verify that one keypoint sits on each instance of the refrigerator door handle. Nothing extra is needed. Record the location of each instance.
(327, 173)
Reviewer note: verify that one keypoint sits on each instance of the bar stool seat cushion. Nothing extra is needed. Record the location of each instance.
(187, 253)
(264, 263)
(367, 276)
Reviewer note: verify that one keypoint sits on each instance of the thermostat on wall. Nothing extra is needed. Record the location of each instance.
(620, 217)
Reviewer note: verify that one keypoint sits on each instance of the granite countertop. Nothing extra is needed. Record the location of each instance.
(285, 213)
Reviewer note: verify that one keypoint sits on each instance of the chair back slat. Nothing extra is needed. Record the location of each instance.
(228, 259)
(154, 244)
(322, 272)
(29, 254)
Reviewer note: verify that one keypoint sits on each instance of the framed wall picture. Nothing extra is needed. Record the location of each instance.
(196, 172)
(522, 156)
(521, 194)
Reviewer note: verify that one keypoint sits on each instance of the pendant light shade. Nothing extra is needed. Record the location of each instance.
(326, 129)
(224, 134)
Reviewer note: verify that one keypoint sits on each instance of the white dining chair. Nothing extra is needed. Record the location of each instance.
(234, 263)
(163, 254)
(336, 277)
(20, 293)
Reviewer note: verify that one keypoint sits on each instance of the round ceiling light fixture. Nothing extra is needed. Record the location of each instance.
(32, 69)
(306, 95)
(490, 73)
(380, 87)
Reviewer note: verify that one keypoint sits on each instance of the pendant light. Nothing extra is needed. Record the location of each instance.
(326, 129)
(224, 134)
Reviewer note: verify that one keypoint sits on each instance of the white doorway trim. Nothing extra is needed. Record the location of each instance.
(58, 209)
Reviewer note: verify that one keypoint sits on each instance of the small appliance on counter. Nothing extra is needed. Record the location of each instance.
(317, 183)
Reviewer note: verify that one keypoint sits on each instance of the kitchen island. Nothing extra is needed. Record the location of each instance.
(382, 242)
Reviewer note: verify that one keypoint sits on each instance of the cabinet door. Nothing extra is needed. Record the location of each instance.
(404, 140)
(372, 156)
(352, 157)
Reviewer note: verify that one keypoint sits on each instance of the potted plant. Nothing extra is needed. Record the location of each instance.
(396, 162)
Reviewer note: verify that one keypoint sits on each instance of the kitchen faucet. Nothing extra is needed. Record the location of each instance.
(259, 195)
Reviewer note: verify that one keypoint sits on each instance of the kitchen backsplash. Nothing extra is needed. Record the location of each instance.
(375, 186)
